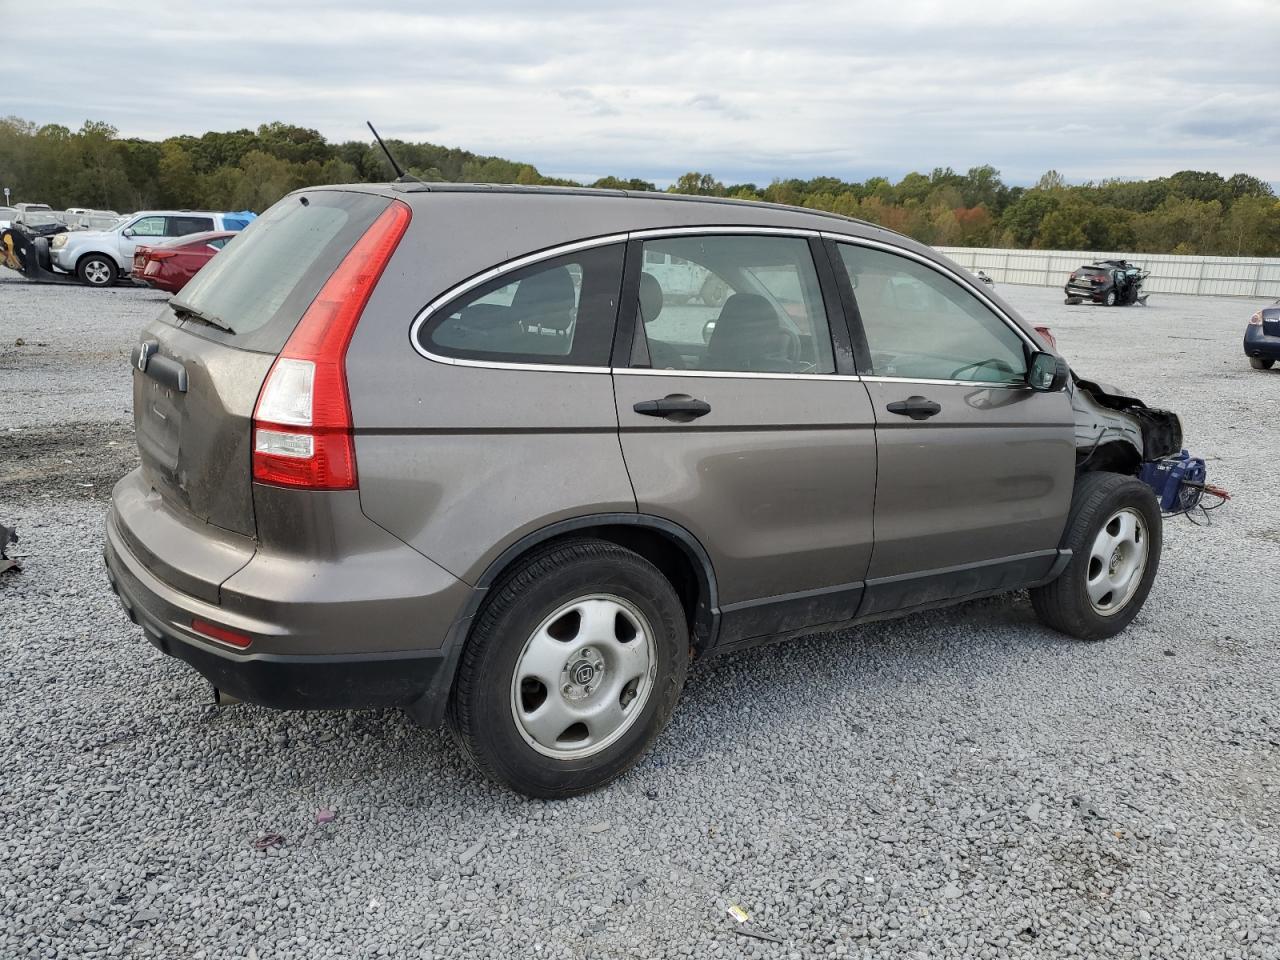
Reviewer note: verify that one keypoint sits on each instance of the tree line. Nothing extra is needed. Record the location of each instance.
(1189, 212)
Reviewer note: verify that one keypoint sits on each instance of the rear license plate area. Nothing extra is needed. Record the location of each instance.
(160, 426)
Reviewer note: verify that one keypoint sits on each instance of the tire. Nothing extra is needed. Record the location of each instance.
(1260, 364)
(97, 270)
(496, 707)
(1109, 298)
(1067, 604)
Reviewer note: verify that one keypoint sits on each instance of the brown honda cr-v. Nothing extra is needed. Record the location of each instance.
(513, 456)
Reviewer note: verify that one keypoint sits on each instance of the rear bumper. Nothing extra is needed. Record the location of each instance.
(283, 681)
(325, 634)
(1258, 344)
(1085, 293)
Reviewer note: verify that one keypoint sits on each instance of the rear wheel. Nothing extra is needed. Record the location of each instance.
(1114, 533)
(1258, 363)
(1109, 298)
(572, 669)
(97, 270)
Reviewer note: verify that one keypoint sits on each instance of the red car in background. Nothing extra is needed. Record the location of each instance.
(169, 265)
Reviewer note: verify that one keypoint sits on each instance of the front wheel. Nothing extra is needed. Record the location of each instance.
(572, 669)
(1114, 533)
(97, 270)
(1258, 363)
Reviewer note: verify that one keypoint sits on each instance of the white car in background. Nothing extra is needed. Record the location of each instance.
(100, 257)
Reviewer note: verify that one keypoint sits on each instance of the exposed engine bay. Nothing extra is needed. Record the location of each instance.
(1106, 415)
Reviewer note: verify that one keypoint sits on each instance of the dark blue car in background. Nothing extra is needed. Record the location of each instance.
(1262, 337)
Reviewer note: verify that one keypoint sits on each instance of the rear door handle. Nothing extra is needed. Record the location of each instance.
(917, 408)
(679, 407)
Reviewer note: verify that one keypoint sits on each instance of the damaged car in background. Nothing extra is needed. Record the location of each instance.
(1110, 283)
(456, 449)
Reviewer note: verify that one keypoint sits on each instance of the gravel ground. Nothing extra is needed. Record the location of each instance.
(958, 784)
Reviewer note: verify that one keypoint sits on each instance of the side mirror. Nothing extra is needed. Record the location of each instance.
(128, 232)
(1047, 373)
(708, 329)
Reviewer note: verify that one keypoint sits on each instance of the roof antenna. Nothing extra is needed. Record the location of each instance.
(401, 176)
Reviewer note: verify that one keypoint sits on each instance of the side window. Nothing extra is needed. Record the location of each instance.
(181, 226)
(734, 303)
(559, 311)
(218, 242)
(922, 325)
(149, 227)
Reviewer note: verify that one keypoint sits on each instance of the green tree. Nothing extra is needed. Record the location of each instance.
(1021, 220)
(698, 184)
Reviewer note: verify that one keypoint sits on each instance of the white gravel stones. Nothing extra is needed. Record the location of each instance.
(961, 784)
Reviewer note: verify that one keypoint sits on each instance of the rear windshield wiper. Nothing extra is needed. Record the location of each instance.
(185, 312)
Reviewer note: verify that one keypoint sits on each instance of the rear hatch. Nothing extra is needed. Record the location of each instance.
(1087, 277)
(199, 367)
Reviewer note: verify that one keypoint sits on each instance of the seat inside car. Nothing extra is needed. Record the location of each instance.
(546, 301)
(749, 335)
(662, 356)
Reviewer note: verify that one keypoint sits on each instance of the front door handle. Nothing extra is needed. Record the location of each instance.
(917, 408)
(679, 407)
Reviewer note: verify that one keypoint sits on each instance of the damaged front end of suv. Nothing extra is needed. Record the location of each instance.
(1118, 432)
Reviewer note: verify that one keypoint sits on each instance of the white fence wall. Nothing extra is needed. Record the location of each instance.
(1212, 276)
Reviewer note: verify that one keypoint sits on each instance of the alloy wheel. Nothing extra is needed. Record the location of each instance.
(583, 677)
(1117, 560)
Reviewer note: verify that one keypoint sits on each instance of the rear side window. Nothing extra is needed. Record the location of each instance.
(181, 226)
(560, 311)
(734, 304)
(262, 284)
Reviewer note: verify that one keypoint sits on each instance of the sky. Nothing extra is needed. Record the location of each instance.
(745, 90)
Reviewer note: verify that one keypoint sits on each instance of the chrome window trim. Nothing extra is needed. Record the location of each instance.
(983, 384)
(946, 272)
(658, 232)
(491, 274)
(654, 233)
(730, 374)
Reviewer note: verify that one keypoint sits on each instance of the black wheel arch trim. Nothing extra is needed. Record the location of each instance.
(430, 708)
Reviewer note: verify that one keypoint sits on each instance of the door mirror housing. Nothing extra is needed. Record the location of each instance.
(128, 231)
(1047, 373)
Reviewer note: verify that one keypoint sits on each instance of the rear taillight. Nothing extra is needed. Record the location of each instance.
(1256, 319)
(302, 432)
(160, 254)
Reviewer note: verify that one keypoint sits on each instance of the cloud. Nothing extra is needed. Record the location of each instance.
(594, 106)
(747, 90)
(714, 103)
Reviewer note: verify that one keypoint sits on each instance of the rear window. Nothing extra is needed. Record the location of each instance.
(262, 284)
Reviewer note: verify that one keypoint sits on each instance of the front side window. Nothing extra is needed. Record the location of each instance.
(734, 303)
(922, 325)
(559, 311)
(149, 227)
